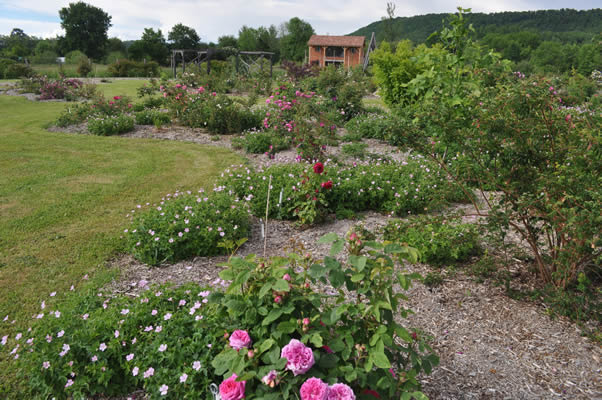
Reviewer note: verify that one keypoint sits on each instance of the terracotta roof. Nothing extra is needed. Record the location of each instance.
(344, 41)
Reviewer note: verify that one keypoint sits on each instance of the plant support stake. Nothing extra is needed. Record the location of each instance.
(267, 209)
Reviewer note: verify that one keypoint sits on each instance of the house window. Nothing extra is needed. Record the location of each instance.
(352, 50)
(336, 52)
(317, 49)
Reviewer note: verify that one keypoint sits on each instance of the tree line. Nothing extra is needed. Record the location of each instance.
(544, 41)
(86, 33)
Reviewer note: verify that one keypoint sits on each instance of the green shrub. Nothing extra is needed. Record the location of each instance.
(377, 126)
(4, 63)
(198, 108)
(110, 125)
(260, 142)
(148, 103)
(149, 117)
(128, 68)
(439, 241)
(73, 115)
(84, 67)
(176, 342)
(16, 70)
(185, 225)
(74, 57)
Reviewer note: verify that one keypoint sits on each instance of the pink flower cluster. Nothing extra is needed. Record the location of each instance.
(316, 389)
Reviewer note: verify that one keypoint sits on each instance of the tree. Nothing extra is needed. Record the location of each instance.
(294, 42)
(247, 38)
(183, 37)
(227, 41)
(85, 28)
(152, 45)
(388, 20)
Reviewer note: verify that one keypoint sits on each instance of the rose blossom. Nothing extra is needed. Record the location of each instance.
(239, 339)
(318, 168)
(232, 390)
(300, 358)
(340, 391)
(314, 389)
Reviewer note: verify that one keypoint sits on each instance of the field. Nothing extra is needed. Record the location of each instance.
(63, 199)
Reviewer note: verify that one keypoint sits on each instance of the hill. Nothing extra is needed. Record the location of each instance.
(565, 25)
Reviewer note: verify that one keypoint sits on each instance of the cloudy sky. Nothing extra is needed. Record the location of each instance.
(214, 18)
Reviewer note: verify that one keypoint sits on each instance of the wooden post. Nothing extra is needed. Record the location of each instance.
(345, 58)
(173, 64)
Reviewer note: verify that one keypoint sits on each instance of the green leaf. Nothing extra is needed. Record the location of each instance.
(331, 263)
(337, 278)
(337, 247)
(281, 286)
(359, 262)
(328, 238)
(287, 327)
(381, 360)
(247, 376)
(357, 278)
(265, 289)
(403, 334)
(227, 274)
(328, 361)
(272, 316)
(266, 345)
(394, 248)
(317, 271)
(316, 340)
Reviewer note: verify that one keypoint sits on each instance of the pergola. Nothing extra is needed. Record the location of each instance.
(245, 60)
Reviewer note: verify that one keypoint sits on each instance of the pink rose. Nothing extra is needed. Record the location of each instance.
(340, 391)
(240, 340)
(232, 390)
(314, 389)
(300, 358)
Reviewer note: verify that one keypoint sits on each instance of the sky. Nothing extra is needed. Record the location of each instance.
(214, 18)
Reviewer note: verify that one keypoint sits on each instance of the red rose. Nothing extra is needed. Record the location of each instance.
(327, 185)
(318, 168)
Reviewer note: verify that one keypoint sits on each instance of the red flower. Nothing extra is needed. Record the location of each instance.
(318, 168)
(116, 98)
(371, 392)
(327, 185)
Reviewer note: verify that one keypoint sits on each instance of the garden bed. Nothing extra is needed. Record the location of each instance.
(491, 346)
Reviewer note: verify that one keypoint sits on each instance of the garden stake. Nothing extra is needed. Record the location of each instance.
(267, 208)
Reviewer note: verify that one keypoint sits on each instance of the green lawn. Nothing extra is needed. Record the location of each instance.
(63, 201)
(70, 70)
(121, 87)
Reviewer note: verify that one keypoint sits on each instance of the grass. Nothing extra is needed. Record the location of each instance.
(378, 102)
(121, 87)
(63, 201)
(70, 70)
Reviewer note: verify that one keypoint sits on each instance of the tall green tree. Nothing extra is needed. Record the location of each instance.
(183, 37)
(294, 41)
(152, 45)
(247, 38)
(227, 41)
(85, 28)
